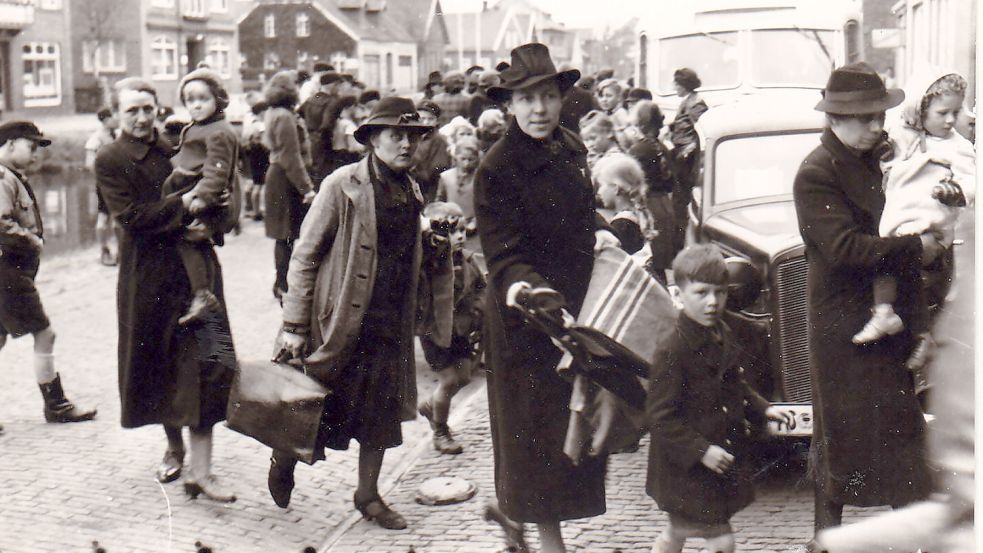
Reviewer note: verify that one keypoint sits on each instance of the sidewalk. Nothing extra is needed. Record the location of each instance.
(63, 486)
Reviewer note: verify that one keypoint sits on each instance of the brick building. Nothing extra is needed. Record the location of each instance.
(35, 57)
(387, 45)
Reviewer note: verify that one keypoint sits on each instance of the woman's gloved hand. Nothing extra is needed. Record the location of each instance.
(542, 298)
(292, 346)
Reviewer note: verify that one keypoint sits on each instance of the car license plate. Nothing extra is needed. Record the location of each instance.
(803, 421)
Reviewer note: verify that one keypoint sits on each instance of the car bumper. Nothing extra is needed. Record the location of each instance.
(804, 421)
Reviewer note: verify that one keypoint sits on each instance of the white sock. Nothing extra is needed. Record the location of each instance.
(44, 367)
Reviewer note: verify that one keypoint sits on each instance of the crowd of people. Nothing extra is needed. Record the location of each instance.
(434, 216)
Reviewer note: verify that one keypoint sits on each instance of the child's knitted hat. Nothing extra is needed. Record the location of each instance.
(214, 82)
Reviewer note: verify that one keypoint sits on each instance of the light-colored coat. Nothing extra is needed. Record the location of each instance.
(332, 274)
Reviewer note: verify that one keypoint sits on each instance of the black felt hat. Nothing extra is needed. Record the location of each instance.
(531, 64)
(857, 89)
(391, 112)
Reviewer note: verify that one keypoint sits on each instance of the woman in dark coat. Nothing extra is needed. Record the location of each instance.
(868, 439)
(536, 220)
(288, 184)
(169, 374)
(351, 307)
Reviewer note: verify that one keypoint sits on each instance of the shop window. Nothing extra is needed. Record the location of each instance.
(42, 74)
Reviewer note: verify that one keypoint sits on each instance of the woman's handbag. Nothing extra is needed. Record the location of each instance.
(279, 405)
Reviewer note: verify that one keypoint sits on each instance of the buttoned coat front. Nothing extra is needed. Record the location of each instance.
(168, 373)
(536, 221)
(698, 397)
(868, 439)
(332, 274)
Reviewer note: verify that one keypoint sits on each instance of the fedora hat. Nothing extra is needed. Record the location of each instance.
(531, 64)
(857, 89)
(391, 112)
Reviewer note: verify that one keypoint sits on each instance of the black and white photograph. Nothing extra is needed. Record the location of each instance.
(488, 276)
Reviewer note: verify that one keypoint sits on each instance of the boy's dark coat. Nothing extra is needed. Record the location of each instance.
(698, 397)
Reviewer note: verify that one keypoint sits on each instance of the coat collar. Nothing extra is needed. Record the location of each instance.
(136, 148)
(699, 336)
(534, 154)
(358, 187)
(860, 175)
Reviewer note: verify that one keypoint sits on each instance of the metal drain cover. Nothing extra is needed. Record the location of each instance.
(445, 490)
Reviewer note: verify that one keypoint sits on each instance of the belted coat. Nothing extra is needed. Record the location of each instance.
(536, 220)
(868, 444)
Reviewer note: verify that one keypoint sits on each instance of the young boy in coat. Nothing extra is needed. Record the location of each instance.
(700, 410)
(21, 241)
(453, 364)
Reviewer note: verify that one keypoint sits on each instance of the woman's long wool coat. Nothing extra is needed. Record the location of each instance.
(168, 374)
(868, 441)
(536, 220)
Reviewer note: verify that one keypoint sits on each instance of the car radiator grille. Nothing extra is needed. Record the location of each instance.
(794, 330)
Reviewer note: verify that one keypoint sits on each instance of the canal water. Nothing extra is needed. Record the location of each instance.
(67, 200)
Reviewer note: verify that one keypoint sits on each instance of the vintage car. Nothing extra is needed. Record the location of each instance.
(752, 151)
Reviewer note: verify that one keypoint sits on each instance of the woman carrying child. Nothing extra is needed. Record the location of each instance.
(868, 444)
(206, 160)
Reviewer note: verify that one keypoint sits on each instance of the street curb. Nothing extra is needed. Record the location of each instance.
(406, 463)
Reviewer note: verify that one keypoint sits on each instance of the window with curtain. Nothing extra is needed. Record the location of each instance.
(303, 24)
(219, 56)
(269, 26)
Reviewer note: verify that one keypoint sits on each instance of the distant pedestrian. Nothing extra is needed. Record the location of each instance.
(457, 183)
(453, 364)
(257, 158)
(21, 242)
(479, 99)
(598, 133)
(635, 95)
(105, 227)
(610, 95)
(344, 148)
(313, 84)
(655, 159)
(319, 127)
(452, 101)
(700, 411)
(288, 185)
(432, 156)
(206, 164)
(491, 127)
(169, 374)
(686, 148)
(578, 102)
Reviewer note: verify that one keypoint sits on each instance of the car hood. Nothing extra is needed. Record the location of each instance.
(771, 228)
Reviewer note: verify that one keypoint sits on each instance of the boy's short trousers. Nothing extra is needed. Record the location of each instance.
(20, 304)
(440, 358)
(687, 528)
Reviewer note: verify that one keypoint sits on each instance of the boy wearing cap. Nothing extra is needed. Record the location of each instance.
(21, 241)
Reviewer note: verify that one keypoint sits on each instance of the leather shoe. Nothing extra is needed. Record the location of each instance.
(170, 467)
(375, 509)
(280, 481)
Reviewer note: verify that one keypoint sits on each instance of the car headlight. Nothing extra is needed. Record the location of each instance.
(745, 283)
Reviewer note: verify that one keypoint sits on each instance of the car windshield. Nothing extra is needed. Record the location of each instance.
(758, 166)
(714, 57)
(813, 52)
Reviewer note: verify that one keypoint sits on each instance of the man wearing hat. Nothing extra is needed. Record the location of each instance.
(319, 130)
(479, 100)
(868, 444)
(364, 231)
(21, 241)
(312, 85)
(452, 100)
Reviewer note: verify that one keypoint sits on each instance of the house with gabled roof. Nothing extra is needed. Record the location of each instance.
(386, 44)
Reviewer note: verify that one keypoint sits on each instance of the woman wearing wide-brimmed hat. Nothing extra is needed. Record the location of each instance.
(868, 439)
(535, 208)
(349, 311)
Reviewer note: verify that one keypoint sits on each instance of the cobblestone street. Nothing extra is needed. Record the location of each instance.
(64, 486)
